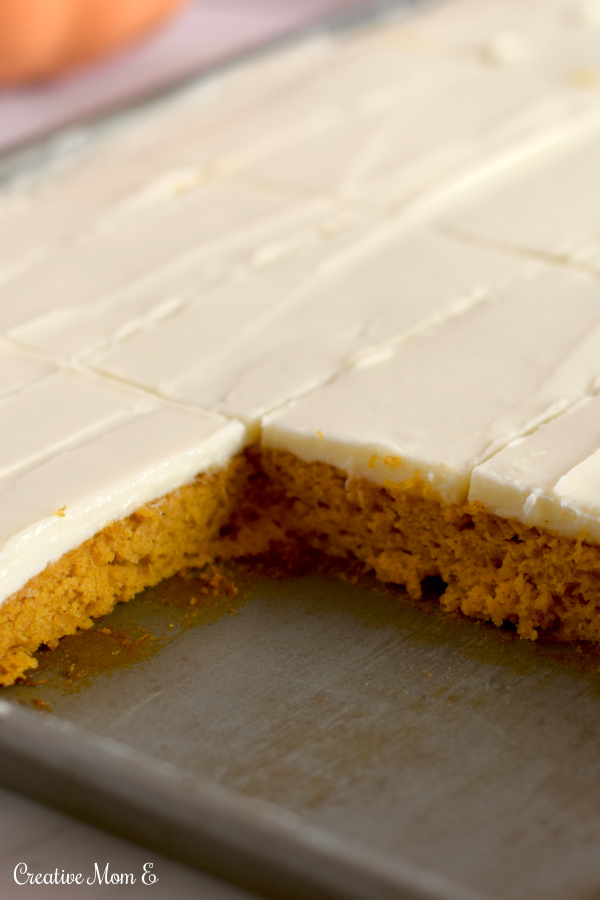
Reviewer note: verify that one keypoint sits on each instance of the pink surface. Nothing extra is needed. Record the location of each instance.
(206, 33)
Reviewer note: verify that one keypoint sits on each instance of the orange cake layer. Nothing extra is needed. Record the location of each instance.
(376, 253)
(177, 532)
(495, 569)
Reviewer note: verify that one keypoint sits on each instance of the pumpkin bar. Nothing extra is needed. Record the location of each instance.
(344, 295)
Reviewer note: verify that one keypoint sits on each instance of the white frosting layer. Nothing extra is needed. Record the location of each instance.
(300, 319)
(109, 260)
(72, 330)
(346, 241)
(551, 478)
(65, 407)
(434, 407)
(548, 206)
(18, 370)
(54, 507)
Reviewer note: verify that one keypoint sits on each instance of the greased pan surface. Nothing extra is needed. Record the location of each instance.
(433, 743)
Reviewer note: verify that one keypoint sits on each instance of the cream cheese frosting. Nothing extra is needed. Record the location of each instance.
(549, 478)
(18, 369)
(301, 320)
(434, 407)
(548, 206)
(53, 507)
(378, 249)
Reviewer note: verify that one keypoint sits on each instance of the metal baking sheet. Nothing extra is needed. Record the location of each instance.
(392, 750)
(311, 737)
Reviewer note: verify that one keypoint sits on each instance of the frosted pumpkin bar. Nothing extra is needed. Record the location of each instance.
(364, 269)
(103, 492)
(448, 456)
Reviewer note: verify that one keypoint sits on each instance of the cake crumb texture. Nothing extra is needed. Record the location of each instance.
(271, 502)
(495, 569)
(375, 254)
(169, 535)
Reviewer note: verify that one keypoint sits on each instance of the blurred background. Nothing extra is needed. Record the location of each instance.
(66, 59)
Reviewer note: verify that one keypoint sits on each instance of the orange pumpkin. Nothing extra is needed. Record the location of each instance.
(39, 38)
